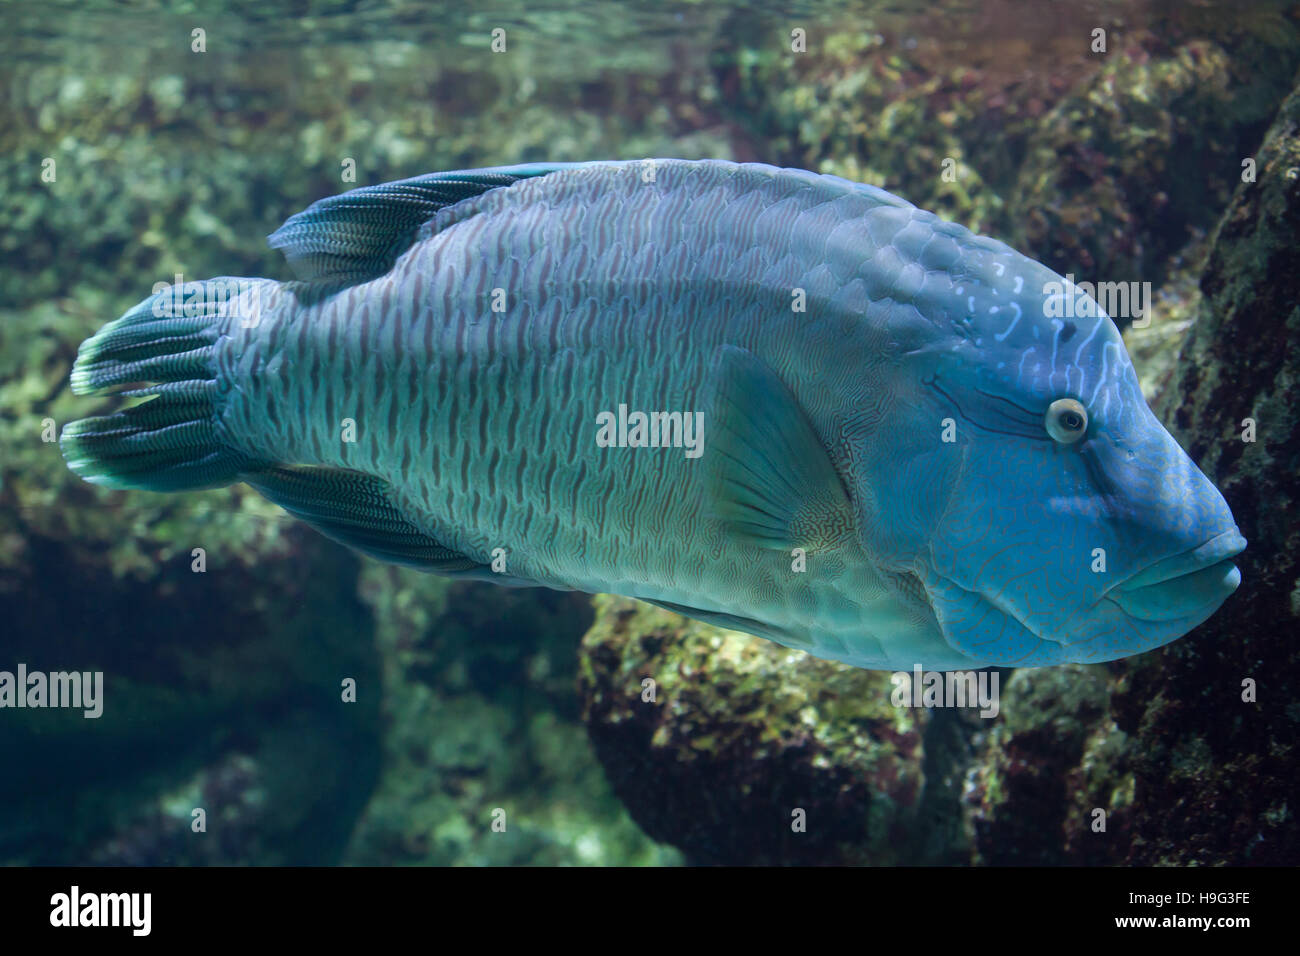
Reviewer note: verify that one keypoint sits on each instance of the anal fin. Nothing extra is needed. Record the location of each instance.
(734, 622)
(357, 510)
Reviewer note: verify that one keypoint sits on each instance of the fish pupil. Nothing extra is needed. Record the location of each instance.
(1072, 421)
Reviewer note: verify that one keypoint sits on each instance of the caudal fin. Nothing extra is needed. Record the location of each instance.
(165, 350)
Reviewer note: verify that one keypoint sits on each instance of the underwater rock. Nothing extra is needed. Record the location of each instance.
(1153, 342)
(753, 753)
(1104, 165)
(289, 799)
(216, 638)
(1120, 174)
(166, 163)
(1166, 742)
(161, 835)
(481, 727)
(243, 661)
(235, 650)
(1214, 717)
(1053, 757)
(846, 108)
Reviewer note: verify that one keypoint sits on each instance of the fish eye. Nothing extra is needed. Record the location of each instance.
(1067, 420)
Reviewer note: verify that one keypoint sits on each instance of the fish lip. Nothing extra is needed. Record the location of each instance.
(1215, 584)
(1219, 549)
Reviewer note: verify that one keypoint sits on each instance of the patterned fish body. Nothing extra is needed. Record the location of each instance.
(776, 401)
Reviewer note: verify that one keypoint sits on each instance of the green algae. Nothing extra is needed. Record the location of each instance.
(741, 735)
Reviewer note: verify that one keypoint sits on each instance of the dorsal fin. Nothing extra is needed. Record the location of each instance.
(356, 236)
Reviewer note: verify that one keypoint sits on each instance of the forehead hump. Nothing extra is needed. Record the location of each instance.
(935, 287)
(1021, 328)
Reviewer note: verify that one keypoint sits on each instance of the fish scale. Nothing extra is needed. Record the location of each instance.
(477, 326)
(638, 560)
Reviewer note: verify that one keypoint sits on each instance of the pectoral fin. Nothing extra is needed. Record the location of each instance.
(769, 477)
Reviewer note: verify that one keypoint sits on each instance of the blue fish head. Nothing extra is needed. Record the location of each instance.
(1053, 518)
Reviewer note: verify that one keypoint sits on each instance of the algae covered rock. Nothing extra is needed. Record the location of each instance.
(1053, 759)
(738, 750)
(485, 760)
(199, 669)
(1153, 341)
(1189, 750)
(1100, 161)
(224, 632)
(1214, 715)
(1123, 171)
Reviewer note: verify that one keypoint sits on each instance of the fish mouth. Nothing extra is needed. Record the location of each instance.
(1186, 585)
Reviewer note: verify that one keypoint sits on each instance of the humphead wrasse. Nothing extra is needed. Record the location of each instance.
(780, 402)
